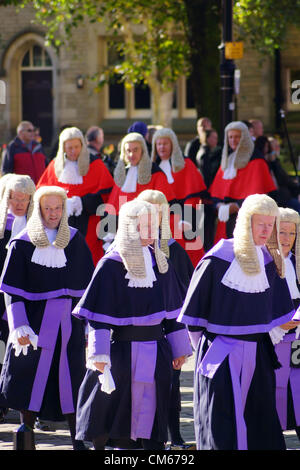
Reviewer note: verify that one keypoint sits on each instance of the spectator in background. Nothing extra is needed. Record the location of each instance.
(23, 155)
(37, 136)
(192, 147)
(95, 139)
(141, 128)
(288, 188)
(257, 128)
(149, 136)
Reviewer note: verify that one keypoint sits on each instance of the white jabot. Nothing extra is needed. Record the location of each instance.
(18, 225)
(230, 171)
(150, 275)
(70, 173)
(165, 166)
(290, 276)
(50, 256)
(130, 182)
(235, 278)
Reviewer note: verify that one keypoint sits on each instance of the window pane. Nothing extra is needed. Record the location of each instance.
(142, 96)
(37, 56)
(26, 60)
(116, 95)
(47, 59)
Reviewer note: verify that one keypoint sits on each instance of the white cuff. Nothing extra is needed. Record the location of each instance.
(277, 334)
(106, 380)
(77, 205)
(70, 207)
(18, 332)
(223, 212)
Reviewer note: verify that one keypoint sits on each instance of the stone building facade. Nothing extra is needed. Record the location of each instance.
(54, 90)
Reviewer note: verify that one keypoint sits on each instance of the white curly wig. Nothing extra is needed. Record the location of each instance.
(177, 159)
(144, 165)
(128, 240)
(20, 183)
(159, 199)
(243, 243)
(83, 159)
(35, 227)
(289, 215)
(244, 149)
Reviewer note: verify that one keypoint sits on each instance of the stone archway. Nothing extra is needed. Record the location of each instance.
(43, 78)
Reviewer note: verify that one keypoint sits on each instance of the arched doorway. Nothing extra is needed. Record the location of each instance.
(36, 90)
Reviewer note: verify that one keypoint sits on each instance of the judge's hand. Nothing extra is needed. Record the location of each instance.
(100, 366)
(23, 340)
(178, 362)
(290, 325)
(233, 208)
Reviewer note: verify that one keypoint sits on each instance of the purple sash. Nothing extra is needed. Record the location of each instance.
(242, 359)
(57, 313)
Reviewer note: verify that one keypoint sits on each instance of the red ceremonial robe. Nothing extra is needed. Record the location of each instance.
(158, 182)
(94, 191)
(254, 178)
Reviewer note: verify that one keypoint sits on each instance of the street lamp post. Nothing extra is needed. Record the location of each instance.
(227, 68)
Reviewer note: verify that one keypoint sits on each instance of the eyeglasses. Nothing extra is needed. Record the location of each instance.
(19, 201)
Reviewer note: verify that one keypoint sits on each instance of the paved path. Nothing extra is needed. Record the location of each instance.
(58, 436)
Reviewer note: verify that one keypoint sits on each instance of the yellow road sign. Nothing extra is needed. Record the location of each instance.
(234, 50)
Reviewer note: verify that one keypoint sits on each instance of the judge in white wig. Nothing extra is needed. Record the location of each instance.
(242, 172)
(16, 204)
(47, 268)
(287, 350)
(133, 174)
(131, 171)
(188, 187)
(87, 182)
(237, 300)
(135, 293)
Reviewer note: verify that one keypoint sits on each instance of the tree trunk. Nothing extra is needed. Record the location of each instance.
(204, 36)
(161, 105)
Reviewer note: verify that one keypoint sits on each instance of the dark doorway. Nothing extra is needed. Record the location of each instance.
(37, 103)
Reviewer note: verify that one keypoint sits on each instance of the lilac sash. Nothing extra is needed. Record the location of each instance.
(57, 313)
(242, 359)
(143, 388)
(284, 375)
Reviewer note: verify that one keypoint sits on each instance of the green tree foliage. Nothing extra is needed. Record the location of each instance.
(148, 34)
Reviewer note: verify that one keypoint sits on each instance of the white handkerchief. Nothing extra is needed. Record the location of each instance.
(106, 381)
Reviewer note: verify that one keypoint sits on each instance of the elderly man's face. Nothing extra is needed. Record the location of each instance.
(164, 148)
(26, 133)
(234, 137)
(72, 148)
(18, 203)
(133, 152)
(51, 209)
(262, 227)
